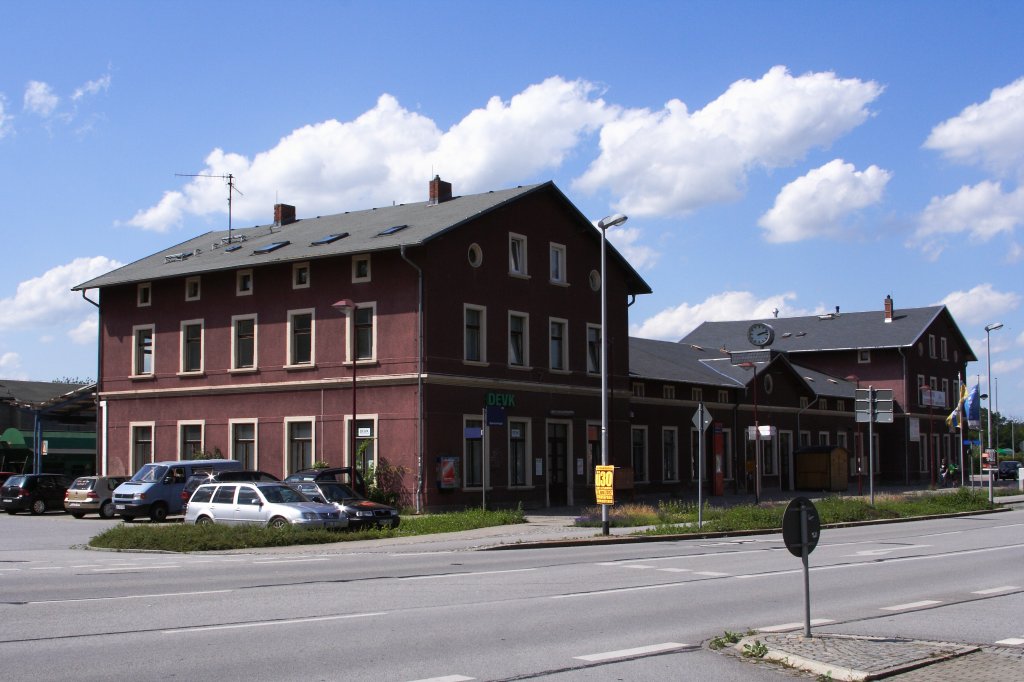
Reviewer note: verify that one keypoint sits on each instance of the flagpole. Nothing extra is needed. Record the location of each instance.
(960, 423)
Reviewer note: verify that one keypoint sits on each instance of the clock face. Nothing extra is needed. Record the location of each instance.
(760, 334)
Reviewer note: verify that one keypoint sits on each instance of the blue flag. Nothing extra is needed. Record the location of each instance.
(972, 406)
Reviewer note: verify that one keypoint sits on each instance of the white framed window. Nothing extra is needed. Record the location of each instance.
(931, 346)
(475, 255)
(243, 282)
(558, 345)
(143, 350)
(365, 329)
(190, 439)
(192, 289)
(556, 270)
(300, 443)
(668, 392)
(638, 453)
(639, 389)
(841, 439)
(474, 333)
(840, 405)
(301, 341)
(192, 333)
(863, 356)
(723, 396)
(361, 268)
(364, 458)
(824, 437)
(244, 437)
(804, 402)
(472, 452)
(144, 295)
(943, 348)
(593, 349)
(805, 438)
(142, 443)
(823, 403)
(243, 342)
(696, 394)
(517, 255)
(519, 455)
(518, 339)
(946, 401)
(922, 383)
(300, 276)
(670, 453)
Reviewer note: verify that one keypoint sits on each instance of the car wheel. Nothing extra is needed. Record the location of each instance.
(38, 506)
(204, 521)
(78, 515)
(158, 513)
(278, 522)
(107, 510)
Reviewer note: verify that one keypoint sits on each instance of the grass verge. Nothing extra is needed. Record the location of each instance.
(680, 517)
(177, 537)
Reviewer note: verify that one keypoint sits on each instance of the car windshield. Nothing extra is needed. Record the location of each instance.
(282, 493)
(150, 473)
(83, 484)
(337, 492)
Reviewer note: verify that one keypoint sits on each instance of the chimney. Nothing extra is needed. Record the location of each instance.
(284, 214)
(440, 191)
(888, 308)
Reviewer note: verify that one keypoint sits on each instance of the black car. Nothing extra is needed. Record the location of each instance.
(361, 512)
(346, 475)
(34, 493)
(1008, 470)
(197, 480)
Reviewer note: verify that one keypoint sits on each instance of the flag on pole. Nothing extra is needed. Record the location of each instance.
(972, 406)
(953, 420)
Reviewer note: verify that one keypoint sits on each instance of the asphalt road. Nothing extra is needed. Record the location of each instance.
(428, 611)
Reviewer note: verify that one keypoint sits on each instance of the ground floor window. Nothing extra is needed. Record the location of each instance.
(518, 453)
(473, 452)
(670, 453)
(300, 445)
(365, 458)
(190, 440)
(142, 445)
(638, 453)
(243, 443)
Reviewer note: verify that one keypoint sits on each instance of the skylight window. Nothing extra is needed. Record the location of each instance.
(391, 230)
(233, 247)
(270, 247)
(329, 239)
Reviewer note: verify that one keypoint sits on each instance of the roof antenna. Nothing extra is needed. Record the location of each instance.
(231, 188)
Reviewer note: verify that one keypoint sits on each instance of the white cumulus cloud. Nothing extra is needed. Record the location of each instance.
(989, 134)
(981, 211)
(101, 84)
(48, 299)
(672, 161)
(5, 118)
(674, 323)
(40, 99)
(818, 204)
(386, 154)
(626, 240)
(981, 304)
(86, 332)
(10, 365)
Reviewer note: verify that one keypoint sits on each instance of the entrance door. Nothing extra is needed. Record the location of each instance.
(558, 464)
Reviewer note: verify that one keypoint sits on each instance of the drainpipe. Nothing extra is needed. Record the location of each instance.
(419, 382)
(101, 404)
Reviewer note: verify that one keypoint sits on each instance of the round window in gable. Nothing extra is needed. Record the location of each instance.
(769, 385)
(595, 280)
(475, 255)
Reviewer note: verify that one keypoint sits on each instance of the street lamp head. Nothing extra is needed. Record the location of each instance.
(611, 221)
(994, 326)
(344, 305)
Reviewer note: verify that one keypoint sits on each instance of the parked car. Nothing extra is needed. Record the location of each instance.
(155, 489)
(4, 475)
(196, 480)
(1008, 469)
(266, 504)
(92, 495)
(361, 512)
(33, 493)
(350, 476)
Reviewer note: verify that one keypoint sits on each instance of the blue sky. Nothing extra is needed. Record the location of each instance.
(790, 155)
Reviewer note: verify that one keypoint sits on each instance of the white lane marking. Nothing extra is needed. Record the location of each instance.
(997, 590)
(888, 550)
(637, 651)
(464, 575)
(640, 566)
(794, 626)
(135, 568)
(1012, 641)
(46, 568)
(85, 565)
(129, 596)
(621, 590)
(911, 605)
(676, 570)
(285, 561)
(712, 574)
(447, 678)
(265, 623)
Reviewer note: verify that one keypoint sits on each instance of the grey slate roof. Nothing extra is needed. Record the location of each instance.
(209, 252)
(37, 394)
(845, 331)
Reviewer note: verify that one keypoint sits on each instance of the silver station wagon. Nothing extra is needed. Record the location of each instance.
(266, 504)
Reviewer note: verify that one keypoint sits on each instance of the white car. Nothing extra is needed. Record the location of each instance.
(266, 504)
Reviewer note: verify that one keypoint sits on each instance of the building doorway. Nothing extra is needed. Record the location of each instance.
(559, 490)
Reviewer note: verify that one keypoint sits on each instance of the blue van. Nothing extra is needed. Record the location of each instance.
(155, 489)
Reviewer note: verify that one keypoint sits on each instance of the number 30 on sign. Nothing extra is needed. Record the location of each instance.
(604, 478)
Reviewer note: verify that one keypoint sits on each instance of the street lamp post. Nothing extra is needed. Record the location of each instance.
(989, 328)
(348, 307)
(757, 437)
(603, 225)
(857, 446)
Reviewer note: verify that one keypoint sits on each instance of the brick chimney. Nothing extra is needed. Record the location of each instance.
(284, 214)
(888, 308)
(440, 191)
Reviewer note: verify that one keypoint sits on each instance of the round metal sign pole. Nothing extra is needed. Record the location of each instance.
(801, 528)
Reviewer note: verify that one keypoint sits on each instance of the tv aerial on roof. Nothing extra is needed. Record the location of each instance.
(231, 189)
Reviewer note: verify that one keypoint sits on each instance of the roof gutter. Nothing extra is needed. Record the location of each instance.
(418, 502)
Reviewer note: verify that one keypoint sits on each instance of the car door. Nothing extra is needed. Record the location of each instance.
(249, 507)
(222, 506)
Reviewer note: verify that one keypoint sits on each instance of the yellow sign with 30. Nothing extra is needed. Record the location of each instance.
(604, 484)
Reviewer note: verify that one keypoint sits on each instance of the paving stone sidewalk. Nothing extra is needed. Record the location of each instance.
(851, 657)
